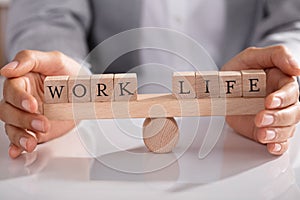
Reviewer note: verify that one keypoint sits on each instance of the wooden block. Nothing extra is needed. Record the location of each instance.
(125, 87)
(254, 83)
(102, 87)
(79, 89)
(207, 84)
(143, 108)
(160, 135)
(183, 85)
(230, 83)
(56, 89)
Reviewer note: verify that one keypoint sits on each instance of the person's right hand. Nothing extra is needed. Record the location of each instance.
(23, 96)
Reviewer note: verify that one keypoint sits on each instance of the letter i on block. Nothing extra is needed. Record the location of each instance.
(207, 84)
(56, 89)
(254, 83)
(79, 89)
(102, 87)
(184, 85)
(125, 87)
(230, 83)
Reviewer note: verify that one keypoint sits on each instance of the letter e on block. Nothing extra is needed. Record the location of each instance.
(102, 87)
(230, 83)
(207, 84)
(125, 87)
(79, 89)
(184, 85)
(254, 83)
(56, 89)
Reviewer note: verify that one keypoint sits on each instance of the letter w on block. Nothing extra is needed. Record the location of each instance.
(56, 89)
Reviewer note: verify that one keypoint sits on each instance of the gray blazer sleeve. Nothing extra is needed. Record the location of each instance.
(48, 25)
(279, 23)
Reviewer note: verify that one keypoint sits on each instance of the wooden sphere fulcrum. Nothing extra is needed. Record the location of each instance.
(160, 135)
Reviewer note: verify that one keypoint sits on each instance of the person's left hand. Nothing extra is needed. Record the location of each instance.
(276, 124)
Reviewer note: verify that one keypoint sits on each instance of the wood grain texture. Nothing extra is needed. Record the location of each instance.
(183, 85)
(230, 84)
(160, 135)
(79, 89)
(102, 87)
(56, 89)
(125, 87)
(254, 83)
(207, 84)
(155, 106)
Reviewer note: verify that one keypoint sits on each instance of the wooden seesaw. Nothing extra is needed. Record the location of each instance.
(109, 96)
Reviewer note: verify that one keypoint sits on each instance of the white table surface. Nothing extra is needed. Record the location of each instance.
(66, 168)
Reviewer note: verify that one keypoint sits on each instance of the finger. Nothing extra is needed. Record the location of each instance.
(13, 116)
(14, 93)
(46, 63)
(276, 134)
(274, 118)
(14, 151)
(263, 58)
(20, 138)
(278, 148)
(287, 95)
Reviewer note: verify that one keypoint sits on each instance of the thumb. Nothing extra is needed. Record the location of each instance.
(45, 63)
(263, 58)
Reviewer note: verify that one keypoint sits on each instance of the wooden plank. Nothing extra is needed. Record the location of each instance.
(183, 85)
(56, 89)
(230, 84)
(125, 87)
(155, 106)
(254, 83)
(102, 87)
(207, 84)
(79, 89)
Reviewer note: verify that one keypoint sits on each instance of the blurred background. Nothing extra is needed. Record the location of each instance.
(3, 15)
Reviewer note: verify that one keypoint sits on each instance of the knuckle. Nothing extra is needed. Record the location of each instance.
(249, 50)
(59, 56)
(27, 53)
(281, 49)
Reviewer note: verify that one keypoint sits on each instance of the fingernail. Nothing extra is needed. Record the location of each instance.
(23, 142)
(277, 147)
(38, 125)
(26, 105)
(11, 65)
(267, 120)
(276, 102)
(270, 135)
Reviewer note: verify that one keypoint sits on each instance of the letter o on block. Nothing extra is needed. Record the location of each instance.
(79, 89)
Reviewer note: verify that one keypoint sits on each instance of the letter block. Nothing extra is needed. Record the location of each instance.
(125, 87)
(56, 89)
(102, 87)
(183, 85)
(207, 84)
(230, 83)
(254, 83)
(79, 89)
